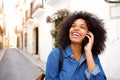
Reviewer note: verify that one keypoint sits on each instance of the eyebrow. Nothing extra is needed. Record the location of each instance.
(80, 24)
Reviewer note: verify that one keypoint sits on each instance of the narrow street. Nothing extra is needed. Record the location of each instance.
(15, 66)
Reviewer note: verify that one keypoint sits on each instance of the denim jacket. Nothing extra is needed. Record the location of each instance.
(72, 69)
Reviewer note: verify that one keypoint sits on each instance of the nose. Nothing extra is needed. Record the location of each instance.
(76, 28)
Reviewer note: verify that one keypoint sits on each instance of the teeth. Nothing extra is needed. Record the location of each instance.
(76, 34)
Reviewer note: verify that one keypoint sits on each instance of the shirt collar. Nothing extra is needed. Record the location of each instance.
(69, 51)
(70, 54)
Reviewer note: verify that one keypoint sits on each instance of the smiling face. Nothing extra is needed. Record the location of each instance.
(78, 31)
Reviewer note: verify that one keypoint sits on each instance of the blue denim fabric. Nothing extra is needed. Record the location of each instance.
(72, 69)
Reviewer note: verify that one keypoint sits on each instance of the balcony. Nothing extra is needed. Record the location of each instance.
(36, 5)
(35, 9)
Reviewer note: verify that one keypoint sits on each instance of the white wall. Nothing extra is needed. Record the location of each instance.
(111, 55)
(45, 38)
(29, 39)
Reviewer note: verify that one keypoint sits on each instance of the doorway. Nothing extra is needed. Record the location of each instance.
(35, 41)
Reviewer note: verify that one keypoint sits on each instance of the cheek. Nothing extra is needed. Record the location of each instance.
(70, 34)
(70, 31)
(84, 32)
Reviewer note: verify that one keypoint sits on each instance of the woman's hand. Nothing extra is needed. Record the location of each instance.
(88, 52)
(89, 45)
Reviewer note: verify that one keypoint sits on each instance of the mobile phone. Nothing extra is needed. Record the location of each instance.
(85, 41)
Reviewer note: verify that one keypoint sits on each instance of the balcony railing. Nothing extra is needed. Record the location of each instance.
(33, 8)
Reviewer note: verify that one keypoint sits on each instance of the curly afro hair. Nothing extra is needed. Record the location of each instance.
(94, 24)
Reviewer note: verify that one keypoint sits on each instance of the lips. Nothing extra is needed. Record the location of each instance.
(76, 34)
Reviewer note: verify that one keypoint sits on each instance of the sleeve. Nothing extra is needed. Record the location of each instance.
(52, 65)
(97, 73)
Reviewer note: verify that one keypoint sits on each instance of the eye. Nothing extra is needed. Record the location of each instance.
(83, 27)
(73, 25)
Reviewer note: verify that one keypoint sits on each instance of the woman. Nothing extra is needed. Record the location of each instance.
(82, 38)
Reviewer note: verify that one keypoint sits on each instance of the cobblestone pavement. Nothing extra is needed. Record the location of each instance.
(15, 66)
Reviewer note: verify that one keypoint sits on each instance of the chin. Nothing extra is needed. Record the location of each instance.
(76, 42)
